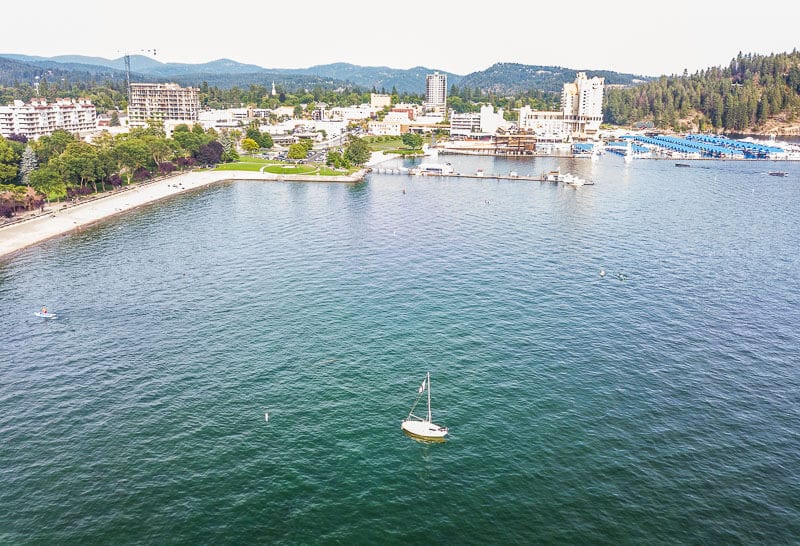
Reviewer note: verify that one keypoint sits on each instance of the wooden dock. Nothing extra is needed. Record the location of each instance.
(544, 177)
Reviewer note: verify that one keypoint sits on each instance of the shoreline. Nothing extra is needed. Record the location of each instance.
(63, 218)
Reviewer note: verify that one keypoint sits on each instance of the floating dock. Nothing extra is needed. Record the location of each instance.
(544, 177)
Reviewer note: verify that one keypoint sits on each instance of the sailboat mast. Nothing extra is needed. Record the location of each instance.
(429, 397)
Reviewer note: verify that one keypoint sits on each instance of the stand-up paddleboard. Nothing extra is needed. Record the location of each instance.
(45, 315)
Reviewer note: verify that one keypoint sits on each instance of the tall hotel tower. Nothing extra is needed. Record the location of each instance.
(436, 92)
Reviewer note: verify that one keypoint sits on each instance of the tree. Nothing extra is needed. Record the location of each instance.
(297, 151)
(114, 122)
(250, 145)
(413, 140)
(210, 154)
(336, 160)
(51, 146)
(228, 147)
(131, 155)
(27, 164)
(79, 164)
(49, 183)
(357, 151)
(8, 161)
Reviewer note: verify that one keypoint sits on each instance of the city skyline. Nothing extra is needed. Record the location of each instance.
(688, 36)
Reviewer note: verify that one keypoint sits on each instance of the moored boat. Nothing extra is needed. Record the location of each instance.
(423, 427)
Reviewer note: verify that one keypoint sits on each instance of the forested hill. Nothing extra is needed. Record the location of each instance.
(754, 93)
(511, 78)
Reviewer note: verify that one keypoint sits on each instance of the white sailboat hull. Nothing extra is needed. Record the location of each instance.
(423, 429)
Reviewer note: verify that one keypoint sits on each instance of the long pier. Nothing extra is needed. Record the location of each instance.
(479, 176)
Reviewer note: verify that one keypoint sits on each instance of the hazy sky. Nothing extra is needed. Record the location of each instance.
(641, 37)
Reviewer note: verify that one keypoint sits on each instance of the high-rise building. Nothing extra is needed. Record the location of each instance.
(436, 92)
(164, 101)
(38, 118)
(582, 103)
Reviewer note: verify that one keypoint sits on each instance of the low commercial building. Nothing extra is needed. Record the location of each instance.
(387, 127)
(377, 100)
(39, 118)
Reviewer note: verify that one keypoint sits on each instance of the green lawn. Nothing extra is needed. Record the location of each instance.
(247, 165)
(379, 144)
(275, 167)
(291, 169)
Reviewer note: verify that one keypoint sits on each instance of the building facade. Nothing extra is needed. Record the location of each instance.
(436, 92)
(38, 118)
(164, 101)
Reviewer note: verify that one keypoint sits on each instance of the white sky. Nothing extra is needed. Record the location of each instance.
(641, 37)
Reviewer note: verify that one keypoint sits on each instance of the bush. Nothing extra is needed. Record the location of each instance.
(141, 174)
(166, 167)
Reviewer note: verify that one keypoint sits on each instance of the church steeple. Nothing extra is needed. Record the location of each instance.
(273, 88)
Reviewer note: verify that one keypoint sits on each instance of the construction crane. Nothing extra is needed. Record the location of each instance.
(127, 57)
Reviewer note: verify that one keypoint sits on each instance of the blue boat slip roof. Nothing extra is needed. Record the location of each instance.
(751, 147)
(620, 147)
(583, 147)
(689, 146)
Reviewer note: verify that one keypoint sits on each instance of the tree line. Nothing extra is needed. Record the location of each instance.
(743, 96)
(61, 166)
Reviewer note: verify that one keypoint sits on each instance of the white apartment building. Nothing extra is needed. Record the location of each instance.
(164, 101)
(436, 92)
(39, 118)
(485, 122)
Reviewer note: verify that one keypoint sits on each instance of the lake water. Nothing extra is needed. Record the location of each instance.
(659, 406)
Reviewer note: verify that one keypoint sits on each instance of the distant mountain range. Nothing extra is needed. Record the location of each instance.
(225, 73)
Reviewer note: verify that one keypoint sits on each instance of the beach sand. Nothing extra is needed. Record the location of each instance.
(61, 219)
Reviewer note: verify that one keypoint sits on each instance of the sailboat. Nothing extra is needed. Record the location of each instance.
(420, 427)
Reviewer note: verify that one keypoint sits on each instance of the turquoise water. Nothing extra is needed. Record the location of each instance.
(661, 408)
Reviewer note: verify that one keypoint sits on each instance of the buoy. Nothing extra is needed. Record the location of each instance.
(266, 417)
(602, 272)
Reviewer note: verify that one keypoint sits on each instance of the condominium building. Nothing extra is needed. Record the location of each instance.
(436, 92)
(38, 118)
(164, 101)
(582, 104)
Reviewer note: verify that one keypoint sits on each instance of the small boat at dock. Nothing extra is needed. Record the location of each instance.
(433, 169)
(565, 178)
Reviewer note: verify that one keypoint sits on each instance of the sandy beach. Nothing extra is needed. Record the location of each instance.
(60, 218)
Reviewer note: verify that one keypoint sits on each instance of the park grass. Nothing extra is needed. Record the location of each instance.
(390, 143)
(247, 165)
(277, 167)
(290, 169)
